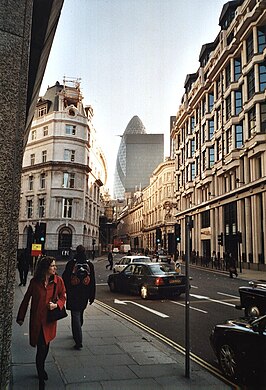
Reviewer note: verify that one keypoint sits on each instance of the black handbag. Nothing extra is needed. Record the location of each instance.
(56, 314)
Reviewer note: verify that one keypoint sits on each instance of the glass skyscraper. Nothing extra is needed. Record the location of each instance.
(138, 155)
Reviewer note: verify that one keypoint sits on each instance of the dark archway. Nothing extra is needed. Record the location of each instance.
(65, 241)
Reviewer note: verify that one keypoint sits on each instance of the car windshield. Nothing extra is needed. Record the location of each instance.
(160, 269)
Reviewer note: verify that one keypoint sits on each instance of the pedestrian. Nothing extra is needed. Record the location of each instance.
(79, 278)
(110, 260)
(232, 266)
(41, 291)
(23, 266)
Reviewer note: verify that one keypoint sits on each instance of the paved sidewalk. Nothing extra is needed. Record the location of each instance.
(116, 355)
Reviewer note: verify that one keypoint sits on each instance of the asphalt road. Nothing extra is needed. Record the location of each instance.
(212, 300)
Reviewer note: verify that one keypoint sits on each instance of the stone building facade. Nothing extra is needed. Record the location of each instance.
(27, 33)
(62, 175)
(150, 210)
(219, 139)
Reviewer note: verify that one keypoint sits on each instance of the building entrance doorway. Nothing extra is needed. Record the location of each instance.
(65, 241)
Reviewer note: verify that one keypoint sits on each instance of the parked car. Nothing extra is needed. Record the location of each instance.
(125, 260)
(253, 298)
(148, 279)
(240, 346)
(115, 250)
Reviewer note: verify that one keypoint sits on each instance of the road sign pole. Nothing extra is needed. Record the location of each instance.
(187, 321)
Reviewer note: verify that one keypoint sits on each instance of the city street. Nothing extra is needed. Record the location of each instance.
(213, 300)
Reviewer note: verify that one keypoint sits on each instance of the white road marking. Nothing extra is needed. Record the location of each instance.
(191, 307)
(143, 307)
(211, 300)
(228, 295)
(194, 287)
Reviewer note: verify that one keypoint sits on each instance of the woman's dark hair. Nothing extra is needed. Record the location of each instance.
(81, 254)
(42, 267)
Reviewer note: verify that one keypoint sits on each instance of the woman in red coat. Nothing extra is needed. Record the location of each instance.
(40, 291)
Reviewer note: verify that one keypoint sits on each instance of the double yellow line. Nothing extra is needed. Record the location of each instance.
(213, 370)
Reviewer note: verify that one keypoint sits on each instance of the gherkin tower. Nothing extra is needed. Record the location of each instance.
(138, 155)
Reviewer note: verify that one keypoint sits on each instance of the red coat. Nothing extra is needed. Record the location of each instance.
(40, 297)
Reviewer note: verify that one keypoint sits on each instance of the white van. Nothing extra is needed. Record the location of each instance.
(125, 248)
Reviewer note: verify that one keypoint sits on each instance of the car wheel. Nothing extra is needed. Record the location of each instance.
(252, 311)
(144, 292)
(228, 361)
(112, 286)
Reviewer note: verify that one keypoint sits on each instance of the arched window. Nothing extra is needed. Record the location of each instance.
(65, 239)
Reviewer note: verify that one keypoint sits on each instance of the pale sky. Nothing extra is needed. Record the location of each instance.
(132, 57)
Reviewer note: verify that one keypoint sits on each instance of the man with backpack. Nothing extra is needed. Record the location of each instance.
(79, 279)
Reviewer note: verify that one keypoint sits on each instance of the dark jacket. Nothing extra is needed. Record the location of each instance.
(40, 296)
(78, 296)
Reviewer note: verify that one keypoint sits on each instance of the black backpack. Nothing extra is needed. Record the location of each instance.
(80, 274)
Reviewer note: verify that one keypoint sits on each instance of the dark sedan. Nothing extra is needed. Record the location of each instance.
(240, 346)
(253, 298)
(148, 279)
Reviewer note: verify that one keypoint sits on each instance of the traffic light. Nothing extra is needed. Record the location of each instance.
(40, 233)
(221, 239)
(158, 235)
(177, 232)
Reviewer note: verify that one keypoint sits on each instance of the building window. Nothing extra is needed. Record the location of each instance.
(238, 101)
(41, 207)
(42, 180)
(228, 141)
(263, 117)
(228, 75)
(197, 140)
(33, 135)
(262, 76)
(251, 83)
(69, 155)
(237, 68)
(239, 135)
(29, 208)
(42, 111)
(192, 124)
(205, 219)
(45, 131)
(250, 47)
(251, 121)
(44, 156)
(211, 156)
(70, 130)
(192, 147)
(211, 128)
(67, 207)
(261, 38)
(68, 180)
(32, 159)
(210, 101)
(192, 173)
(30, 183)
(228, 107)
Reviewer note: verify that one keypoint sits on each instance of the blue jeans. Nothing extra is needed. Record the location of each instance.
(76, 325)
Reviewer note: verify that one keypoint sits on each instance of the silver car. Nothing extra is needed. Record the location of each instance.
(125, 260)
